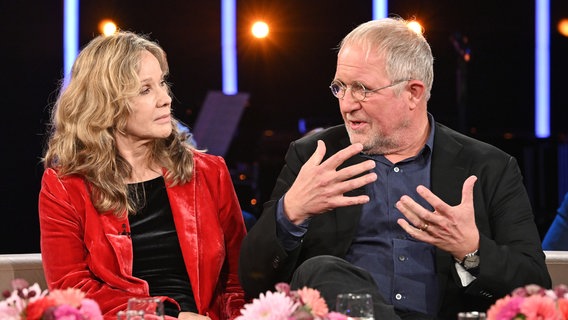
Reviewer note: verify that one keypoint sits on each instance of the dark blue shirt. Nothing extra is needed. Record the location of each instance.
(403, 268)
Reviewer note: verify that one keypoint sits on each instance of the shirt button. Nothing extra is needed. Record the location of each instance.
(396, 169)
(401, 258)
(398, 296)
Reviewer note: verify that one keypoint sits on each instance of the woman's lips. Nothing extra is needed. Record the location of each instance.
(164, 118)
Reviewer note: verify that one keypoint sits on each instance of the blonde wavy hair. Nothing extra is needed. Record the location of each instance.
(94, 107)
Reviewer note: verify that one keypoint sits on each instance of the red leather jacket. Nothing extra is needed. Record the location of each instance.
(84, 249)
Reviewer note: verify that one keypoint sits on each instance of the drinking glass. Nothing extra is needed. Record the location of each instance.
(471, 315)
(130, 315)
(356, 306)
(145, 309)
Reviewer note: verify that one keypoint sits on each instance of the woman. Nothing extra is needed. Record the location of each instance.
(127, 207)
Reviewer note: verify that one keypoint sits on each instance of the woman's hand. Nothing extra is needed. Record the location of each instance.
(191, 316)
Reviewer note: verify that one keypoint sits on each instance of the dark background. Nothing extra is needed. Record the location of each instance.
(287, 76)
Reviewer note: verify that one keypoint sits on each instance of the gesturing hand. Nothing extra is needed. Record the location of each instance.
(319, 186)
(451, 229)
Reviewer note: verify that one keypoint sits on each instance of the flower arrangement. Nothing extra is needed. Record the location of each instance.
(285, 304)
(27, 302)
(532, 302)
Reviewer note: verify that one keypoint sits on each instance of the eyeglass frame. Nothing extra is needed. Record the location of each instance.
(365, 90)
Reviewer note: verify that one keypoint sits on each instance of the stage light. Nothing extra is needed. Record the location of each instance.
(70, 36)
(563, 27)
(380, 9)
(229, 46)
(107, 27)
(542, 69)
(416, 27)
(260, 29)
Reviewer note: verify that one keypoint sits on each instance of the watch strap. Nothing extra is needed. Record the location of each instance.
(469, 255)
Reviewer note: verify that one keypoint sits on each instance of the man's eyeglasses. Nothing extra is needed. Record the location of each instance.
(358, 90)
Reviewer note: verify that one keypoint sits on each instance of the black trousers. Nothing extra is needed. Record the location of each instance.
(331, 275)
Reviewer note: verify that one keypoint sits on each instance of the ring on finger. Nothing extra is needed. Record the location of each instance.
(424, 227)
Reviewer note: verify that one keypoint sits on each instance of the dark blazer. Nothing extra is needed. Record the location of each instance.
(510, 251)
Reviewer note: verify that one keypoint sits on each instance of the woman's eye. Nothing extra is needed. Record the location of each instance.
(145, 90)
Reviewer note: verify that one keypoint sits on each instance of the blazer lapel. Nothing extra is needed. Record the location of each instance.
(183, 203)
(447, 177)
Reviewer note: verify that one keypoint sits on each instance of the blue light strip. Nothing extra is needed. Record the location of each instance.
(380, 9)
(70, 36)
(542, 69)
(229, 46)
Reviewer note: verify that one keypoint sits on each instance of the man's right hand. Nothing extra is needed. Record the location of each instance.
(320, 187)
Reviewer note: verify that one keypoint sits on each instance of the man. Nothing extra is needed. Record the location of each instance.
(427, 220)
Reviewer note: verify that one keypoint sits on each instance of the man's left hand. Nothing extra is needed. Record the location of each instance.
(451, 229)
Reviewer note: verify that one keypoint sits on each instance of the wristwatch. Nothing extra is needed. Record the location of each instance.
(471, 260)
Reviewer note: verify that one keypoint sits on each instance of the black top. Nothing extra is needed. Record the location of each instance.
(157, 254)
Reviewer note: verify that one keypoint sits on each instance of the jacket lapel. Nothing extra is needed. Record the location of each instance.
(183, 201)
(447, 177)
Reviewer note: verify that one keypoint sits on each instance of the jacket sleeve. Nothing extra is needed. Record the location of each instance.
(509, 245)
(64, 252)
(264, 261)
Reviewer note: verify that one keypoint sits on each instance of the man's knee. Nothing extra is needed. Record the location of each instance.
(321, 263)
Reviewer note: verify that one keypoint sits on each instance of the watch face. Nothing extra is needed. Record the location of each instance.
(471, 262)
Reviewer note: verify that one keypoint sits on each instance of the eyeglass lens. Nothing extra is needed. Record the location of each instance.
(358, 91)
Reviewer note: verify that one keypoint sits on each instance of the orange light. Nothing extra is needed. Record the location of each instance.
(416, 27)
(563, 27)
(253, 201)
(107, 27)
(260, 29)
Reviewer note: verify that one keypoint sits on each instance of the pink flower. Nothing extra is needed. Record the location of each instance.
(90, 310)
(31, 303)
(561, 291)
(269, 306)
(8, 313)
(18, 284)
(283, 287)
(67, 312)
(70, 296)
(538, 307)
(336, 316)
(563, 307)
(504, 309)
(531, 302)
(314, 301)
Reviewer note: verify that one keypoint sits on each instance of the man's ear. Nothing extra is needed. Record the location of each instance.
(417, 90)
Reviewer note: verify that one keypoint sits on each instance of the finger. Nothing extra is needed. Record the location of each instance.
(351, 201)
(318, 154)
(355, 183)
(467, 189)
(412, 231)
(355, 169)
(338, 158)
(411, 210)
(438, 204)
